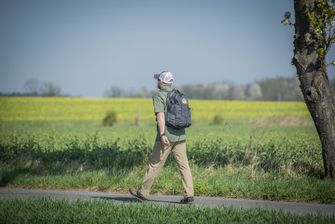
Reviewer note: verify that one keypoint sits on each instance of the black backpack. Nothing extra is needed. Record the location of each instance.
(178, 114)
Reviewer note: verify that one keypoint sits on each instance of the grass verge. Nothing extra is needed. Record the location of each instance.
(229, 181)
(98, 211)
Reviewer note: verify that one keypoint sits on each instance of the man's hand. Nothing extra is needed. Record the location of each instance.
(165, 140)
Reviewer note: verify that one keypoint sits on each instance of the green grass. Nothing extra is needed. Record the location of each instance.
(231, 182)
(98, 211)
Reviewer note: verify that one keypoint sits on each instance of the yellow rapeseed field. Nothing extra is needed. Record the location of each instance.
(93, 109)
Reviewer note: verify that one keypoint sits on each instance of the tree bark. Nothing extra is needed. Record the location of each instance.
(314, 82)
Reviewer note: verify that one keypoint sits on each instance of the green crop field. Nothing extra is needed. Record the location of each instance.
(261, 150)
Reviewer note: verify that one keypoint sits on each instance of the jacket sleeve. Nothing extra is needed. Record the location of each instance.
(158, 103)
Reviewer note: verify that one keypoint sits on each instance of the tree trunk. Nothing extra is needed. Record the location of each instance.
(314, 83)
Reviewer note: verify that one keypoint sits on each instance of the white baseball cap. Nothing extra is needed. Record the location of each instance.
(165, 77)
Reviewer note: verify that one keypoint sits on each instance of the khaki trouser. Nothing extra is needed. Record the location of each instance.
(157, 161)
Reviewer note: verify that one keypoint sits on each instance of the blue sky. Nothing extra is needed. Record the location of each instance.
(88, 46)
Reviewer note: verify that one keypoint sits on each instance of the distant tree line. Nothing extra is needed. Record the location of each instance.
(117, 92)
(269, 89)
(34, 87)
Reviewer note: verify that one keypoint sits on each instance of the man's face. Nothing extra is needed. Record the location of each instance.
(159, 84)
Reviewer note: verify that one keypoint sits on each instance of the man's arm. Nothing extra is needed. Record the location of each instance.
(161, 127)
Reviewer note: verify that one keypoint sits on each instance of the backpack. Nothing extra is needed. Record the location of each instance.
(178, 114)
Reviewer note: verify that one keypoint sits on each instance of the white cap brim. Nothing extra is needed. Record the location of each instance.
(156, 76)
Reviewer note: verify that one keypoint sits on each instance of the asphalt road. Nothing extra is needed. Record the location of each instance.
(293, 207)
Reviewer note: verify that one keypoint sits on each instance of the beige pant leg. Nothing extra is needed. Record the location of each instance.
(179, 152)
(157, 161)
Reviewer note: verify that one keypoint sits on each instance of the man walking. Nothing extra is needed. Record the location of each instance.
(168, 140)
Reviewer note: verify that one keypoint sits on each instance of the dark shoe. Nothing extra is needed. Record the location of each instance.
(187, 200)
(135, 193)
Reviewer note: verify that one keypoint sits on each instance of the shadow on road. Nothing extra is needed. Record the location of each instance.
(133, 200)
(120, 199)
